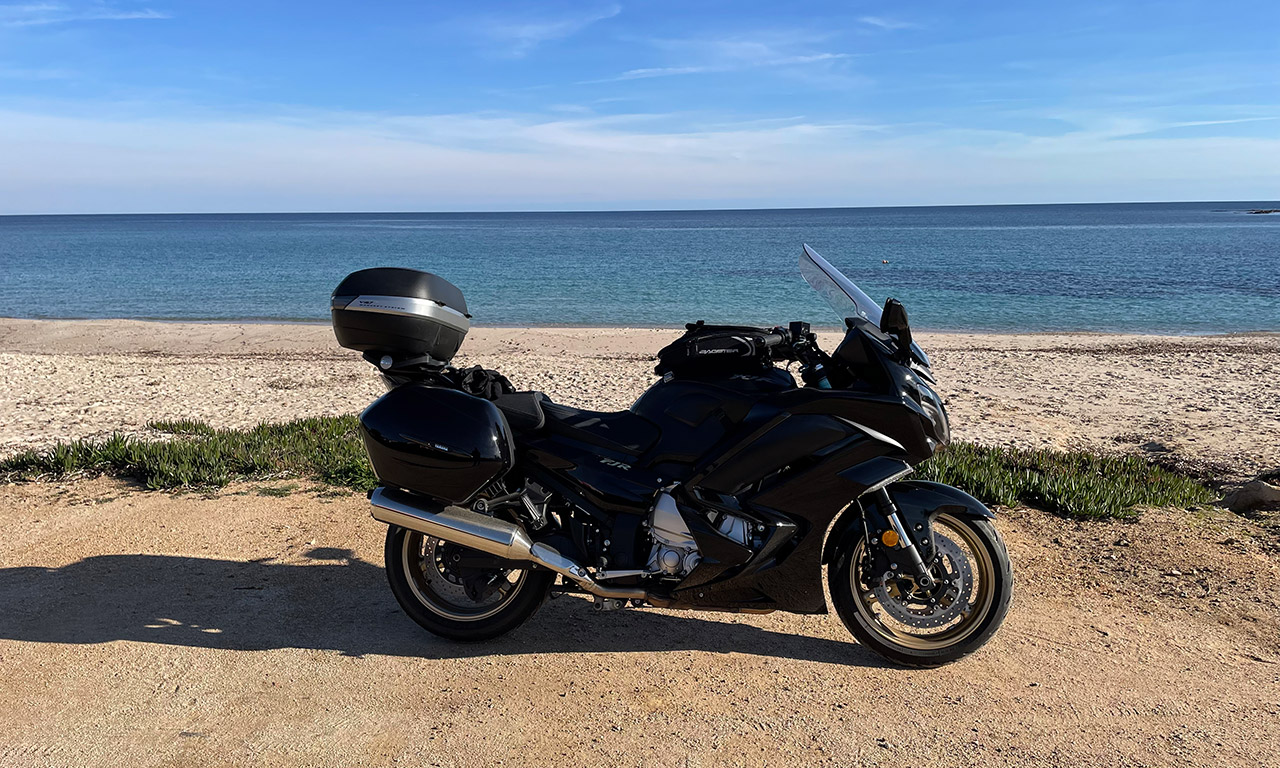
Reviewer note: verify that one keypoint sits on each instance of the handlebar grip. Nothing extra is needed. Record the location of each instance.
(779, 344)
(776, 337)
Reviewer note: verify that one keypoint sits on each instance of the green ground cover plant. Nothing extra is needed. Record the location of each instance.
(197, 456)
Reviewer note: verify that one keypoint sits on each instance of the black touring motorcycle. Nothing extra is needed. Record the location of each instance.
(725, 487)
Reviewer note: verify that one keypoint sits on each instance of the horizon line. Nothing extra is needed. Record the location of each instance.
(641, 210)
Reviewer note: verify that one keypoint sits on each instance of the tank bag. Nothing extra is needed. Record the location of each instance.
(715, 349)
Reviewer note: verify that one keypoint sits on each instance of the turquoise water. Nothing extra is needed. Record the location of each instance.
(1148, 268)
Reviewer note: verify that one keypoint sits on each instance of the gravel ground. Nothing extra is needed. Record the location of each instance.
(148, 629)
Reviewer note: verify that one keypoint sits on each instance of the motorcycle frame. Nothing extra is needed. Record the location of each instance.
(813, 469)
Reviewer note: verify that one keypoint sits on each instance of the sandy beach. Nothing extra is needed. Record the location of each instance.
(1210, 401)
(240, 627)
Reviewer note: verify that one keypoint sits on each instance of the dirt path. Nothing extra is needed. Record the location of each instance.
(145, 629)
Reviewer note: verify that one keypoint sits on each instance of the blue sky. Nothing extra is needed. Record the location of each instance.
(122, 106)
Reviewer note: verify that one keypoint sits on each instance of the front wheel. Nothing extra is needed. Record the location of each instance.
(921, 627)
(457, 603)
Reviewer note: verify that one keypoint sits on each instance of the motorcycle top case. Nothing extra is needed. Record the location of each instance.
(403, 313)
(438, 442)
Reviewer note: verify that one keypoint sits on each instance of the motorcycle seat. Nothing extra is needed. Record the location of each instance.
(621, 431)
(523, 410)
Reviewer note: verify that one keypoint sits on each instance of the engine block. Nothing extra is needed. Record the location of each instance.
(674, 553)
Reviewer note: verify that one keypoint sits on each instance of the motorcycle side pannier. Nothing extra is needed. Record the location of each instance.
(402, 313)
(438, 442)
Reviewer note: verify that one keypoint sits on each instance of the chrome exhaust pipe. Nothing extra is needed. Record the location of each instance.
(485, 534)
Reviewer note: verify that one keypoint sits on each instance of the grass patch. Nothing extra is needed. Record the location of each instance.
(1075, 484)
(199, 456)
(182, 427)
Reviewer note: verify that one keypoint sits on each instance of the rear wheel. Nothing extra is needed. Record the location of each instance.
(922, 627)
(458, 603)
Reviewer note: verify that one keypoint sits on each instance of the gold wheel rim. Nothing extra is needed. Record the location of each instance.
(425, 581)
(982, 566)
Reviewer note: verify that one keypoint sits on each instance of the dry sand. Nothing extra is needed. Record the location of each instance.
(1211, 400)
(149, 629)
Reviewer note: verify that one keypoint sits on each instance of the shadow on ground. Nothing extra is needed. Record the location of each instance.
(335, 602)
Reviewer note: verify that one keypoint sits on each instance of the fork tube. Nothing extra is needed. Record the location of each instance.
(905, 542)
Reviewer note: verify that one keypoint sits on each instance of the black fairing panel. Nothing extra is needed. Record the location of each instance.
(695, 414)
(438, 442)
(897, 417)
(787, 441)
(600, 477)
(597, 482)
(809, 497)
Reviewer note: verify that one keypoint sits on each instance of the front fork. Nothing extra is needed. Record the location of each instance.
(897, 540)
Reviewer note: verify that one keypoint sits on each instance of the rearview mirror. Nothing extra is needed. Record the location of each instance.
(893, 321)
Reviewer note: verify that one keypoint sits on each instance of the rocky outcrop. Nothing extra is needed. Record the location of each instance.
(1256, 494)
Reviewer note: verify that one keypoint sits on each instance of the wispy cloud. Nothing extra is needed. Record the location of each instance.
(1236, 121)
(460, 161)
(44, 14)
(636, 74)
(708, 55)
(781, 61)
(1094, 126)
(110, 160)
(520, 36)
(885, 23)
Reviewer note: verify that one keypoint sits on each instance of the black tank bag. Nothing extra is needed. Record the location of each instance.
(715, 350)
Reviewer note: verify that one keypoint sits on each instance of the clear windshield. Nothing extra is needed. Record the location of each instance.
(838, 291)
(842, 295)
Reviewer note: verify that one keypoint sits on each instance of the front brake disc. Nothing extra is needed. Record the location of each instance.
(911, 605)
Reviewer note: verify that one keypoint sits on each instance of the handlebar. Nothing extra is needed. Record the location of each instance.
(776, 337)
(797, 342)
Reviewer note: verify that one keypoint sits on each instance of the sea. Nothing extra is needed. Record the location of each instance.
(1155, 268)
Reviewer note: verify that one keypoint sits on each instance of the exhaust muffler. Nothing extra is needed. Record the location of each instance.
(484, 534)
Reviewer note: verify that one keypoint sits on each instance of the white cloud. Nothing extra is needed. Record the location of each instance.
(520, 36)
(643, 72)
(707, 55)
(345, 161)
(887, 23)
(43, 14)
(780, 61)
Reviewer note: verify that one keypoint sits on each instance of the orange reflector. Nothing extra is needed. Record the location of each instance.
(890, 538)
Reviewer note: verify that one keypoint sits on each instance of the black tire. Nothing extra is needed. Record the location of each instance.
(914, 650)
(455, 620)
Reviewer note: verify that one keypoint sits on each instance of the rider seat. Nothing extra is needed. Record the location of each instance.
(621, 431)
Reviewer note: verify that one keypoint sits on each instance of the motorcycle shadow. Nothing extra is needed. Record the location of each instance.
(335, 601)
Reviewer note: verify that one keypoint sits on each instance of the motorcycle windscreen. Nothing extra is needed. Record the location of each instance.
(838, 291)
(847, 299)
